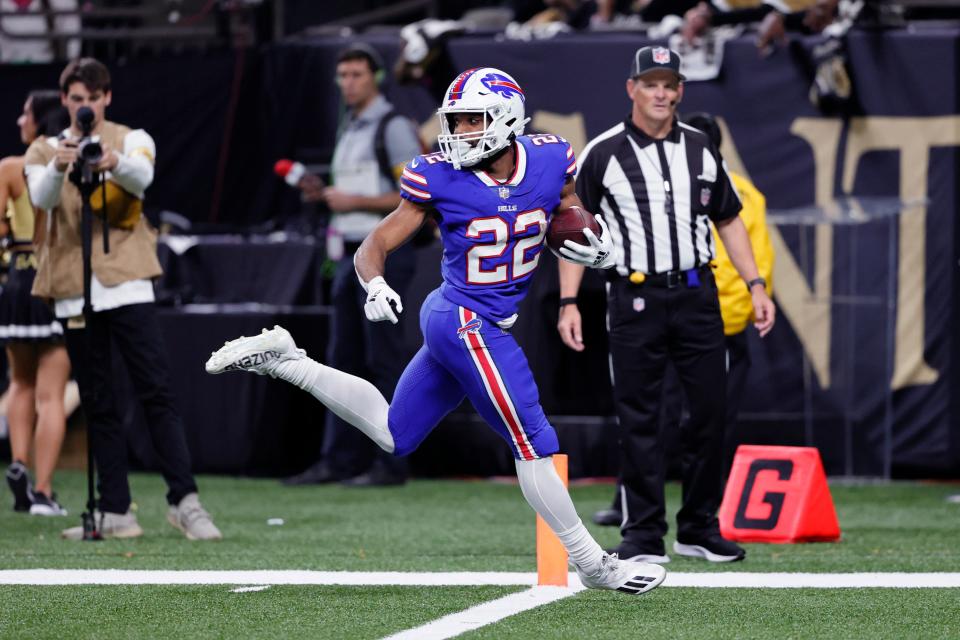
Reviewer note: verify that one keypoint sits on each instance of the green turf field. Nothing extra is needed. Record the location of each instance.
(432, 526)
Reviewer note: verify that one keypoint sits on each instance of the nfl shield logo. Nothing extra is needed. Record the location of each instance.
(504, 193)
(661, 55)
(705, 196)
(639, 304)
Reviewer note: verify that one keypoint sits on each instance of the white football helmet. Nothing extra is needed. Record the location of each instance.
(494, 94)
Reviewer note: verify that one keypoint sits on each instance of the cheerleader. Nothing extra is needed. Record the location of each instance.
(32, 336)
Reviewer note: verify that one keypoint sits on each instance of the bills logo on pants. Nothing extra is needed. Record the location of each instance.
(472, 326)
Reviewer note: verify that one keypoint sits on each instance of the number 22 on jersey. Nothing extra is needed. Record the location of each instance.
(498, 237)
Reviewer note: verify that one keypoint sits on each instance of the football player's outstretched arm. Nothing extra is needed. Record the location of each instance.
(383, 303)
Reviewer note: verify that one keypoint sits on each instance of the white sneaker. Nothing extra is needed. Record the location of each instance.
(624, 575)
(193, 520)
(111, 525)
(259, 354)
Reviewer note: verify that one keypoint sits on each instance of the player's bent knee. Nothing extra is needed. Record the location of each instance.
(407, 435)
(539, 443)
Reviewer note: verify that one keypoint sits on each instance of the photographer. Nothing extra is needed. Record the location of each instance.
(121, 293)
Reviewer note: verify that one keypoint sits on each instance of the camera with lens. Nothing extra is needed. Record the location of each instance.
(89, 150)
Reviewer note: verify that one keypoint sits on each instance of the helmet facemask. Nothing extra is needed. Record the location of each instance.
(468, 149)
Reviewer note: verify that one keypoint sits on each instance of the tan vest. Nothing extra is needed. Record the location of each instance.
(133, 250)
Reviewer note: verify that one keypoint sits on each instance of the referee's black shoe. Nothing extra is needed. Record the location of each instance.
(649, 552)
(608, 517)
(377, 476)
(318, 473)
(712, 547)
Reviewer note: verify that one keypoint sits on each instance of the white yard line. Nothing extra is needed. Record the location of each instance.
(486, 613)
(458, 579)
(359, 578)
(812, 580)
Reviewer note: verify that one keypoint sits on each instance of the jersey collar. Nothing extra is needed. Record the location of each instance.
(644, 139)
(519, 170)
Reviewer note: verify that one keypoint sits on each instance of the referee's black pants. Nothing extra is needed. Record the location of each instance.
(650, 325)
(134, 331)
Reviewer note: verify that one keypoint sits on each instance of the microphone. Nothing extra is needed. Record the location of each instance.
(85, 120)
(291, 172)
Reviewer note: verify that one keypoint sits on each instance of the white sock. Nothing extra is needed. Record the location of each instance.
(544, 491)
(351, 398)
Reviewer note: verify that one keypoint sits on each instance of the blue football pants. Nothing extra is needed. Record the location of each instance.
(467, 355)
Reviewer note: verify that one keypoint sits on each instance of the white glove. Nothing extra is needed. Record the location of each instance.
(597, 255)
(381, 301)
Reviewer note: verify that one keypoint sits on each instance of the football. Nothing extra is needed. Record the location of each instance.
(568, 224)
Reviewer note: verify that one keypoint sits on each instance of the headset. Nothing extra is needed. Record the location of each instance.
(371, 55)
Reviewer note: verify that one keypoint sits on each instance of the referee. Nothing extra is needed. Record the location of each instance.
(656, 182)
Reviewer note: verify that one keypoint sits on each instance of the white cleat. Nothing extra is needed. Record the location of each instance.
(627, 576)
(259, 354)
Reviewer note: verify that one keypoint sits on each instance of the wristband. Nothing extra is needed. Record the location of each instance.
(761, 281)
(565, 301)
(376, 280)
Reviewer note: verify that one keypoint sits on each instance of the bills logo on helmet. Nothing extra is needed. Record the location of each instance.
(661, 55)
(502, 85)
(456, 89)
(472, 326)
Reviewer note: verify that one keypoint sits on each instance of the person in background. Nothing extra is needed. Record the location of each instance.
(736, 310)
(660, 183)
(123, 314)
(39, 365)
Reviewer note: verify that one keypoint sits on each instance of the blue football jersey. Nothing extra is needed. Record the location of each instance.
(492, 231)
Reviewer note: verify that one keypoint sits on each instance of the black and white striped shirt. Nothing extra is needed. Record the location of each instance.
(656, 195)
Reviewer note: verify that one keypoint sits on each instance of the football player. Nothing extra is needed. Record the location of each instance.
(493, 190)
